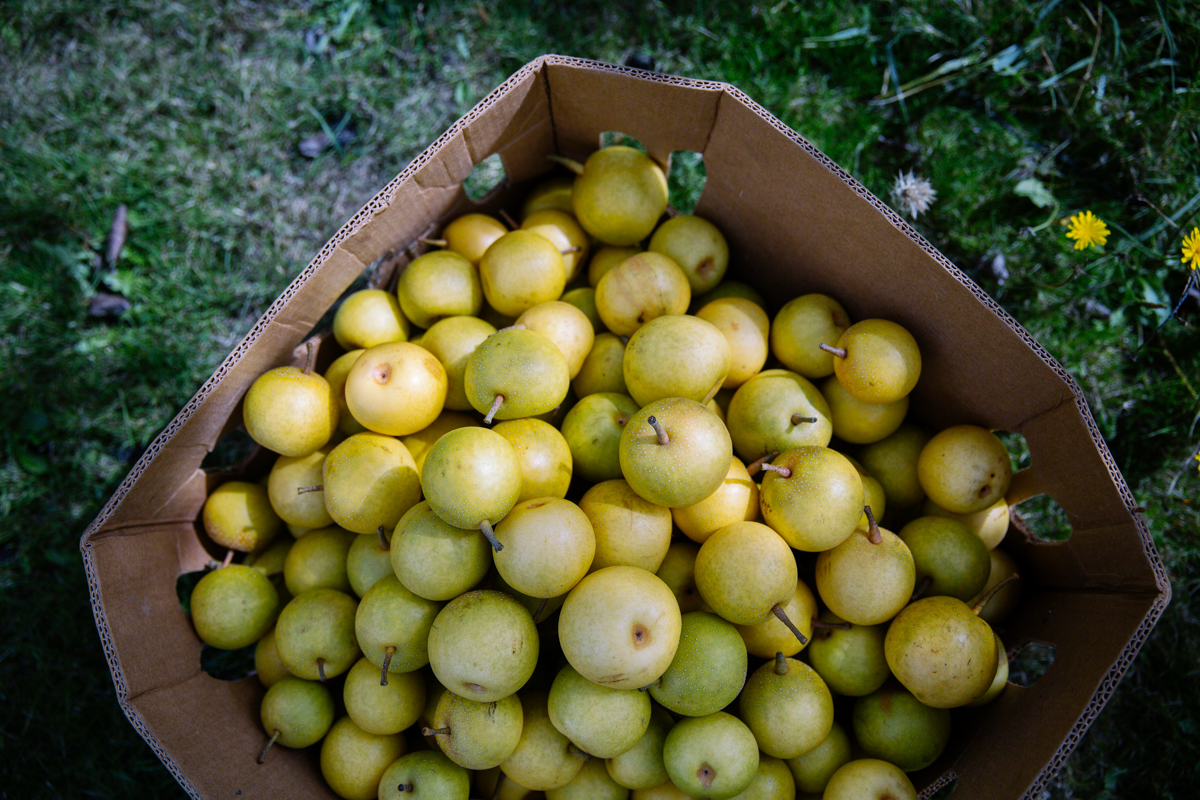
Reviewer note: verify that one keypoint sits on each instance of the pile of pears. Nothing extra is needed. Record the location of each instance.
(574, 516)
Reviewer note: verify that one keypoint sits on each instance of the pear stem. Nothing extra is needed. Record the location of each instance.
(873, 534)
(387, 660)
(310, 360)
(569, 163)
(797, 419)
(434, 242)
(659, 430)
(537, 612)
(320, 487)
(516, 326)
(508, 220)
(778, 611)
(321, 669)
(384, 544)
(781, 665)
(831, 626)
(490, 535)
(435, 731)
(228, 558)
(262, 757)
(570, 250)
(840, 352)
(782, 472)
(983, 601)
(492, 411)
(755, 466)
(922, 587)
(571, 748)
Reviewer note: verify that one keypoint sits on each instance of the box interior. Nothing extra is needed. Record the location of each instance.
(795, 223)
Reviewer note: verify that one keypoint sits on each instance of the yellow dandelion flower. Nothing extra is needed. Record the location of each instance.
(1087, 230)
(1191, 251)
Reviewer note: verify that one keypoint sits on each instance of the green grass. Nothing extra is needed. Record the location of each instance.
(191, 115)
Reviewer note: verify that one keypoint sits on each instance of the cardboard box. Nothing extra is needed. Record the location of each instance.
(795, 223)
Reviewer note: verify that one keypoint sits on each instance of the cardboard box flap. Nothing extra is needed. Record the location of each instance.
(664, 113)
(1033, 729)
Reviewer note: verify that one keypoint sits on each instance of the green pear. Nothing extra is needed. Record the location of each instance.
(777, 410)
(545, 455)
(787, 706)
(370, 480)
(745, 326)
(949, 557)
(964, 469)
(735, 500)
(238, 515)
(849, 659)
(801, 327)
(628, 529)
(434, 560)
(593, 429)
(893, 461)
(424, 775)
(520, 270)
(368, 560)
(382, 708)
(603, 367)
(602, 721)
(697, 245)
(290, 410)
(746, 573)
(477, 735)
(233, 607)
(315, 634)
(941, 651)
(353, 761)
(472, 478)
(857, 421)
(868, 578)
(319, 560)
(592, 782)
(296, 713)
(470, 235)
(452, 341)
(437, 285)
(714, 756)
(877, 361)
(566, 326)
(641, 288)
(291, 487)
(544, 758)
(813, 769)
(641, 766)
(483, 645)
(369, 317)
(812, 497)
(619, 627)
(675, 452)
(548, 546)
(393, 626)
(709, 668)
(267, 666)
(676, 355)
(515, 373)
(893, 725)
(619, 195)
(869, 779)
(678, 572)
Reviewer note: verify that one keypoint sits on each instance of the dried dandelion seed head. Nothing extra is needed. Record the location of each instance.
(914, 195)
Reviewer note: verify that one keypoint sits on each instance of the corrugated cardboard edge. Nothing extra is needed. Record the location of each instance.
(384, 198)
